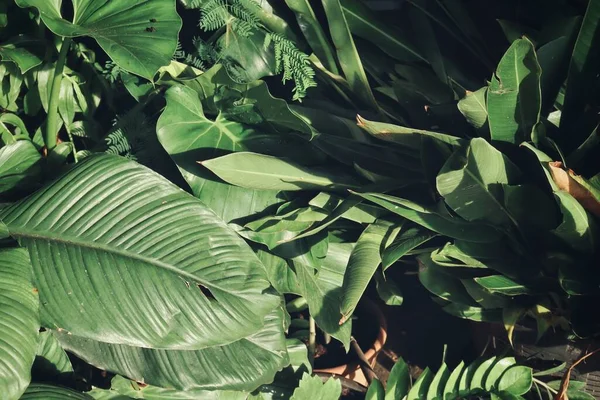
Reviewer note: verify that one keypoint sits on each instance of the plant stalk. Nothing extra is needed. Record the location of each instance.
(50, 133)
(312, 340)
(364, 363)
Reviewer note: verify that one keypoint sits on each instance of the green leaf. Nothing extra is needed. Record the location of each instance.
(473, 107)
(322, 291)
(313, 388)
(436, 389)
(140, 38)
(314, 34)
(451, 387)
(360, 213)
(24, 51)
(20, 164)
(375, 391)
(241, 365)
(583, 69)
(578, 227)
(405, 242)
(479, 376)
(363, 23)
(437, 220)
(554, 62)
(363, 262)
(66, 102)
(122, 388)
(51, 359)
(496, 372)
(474, 313)
(510, 318)
(516, 380)
(347, 54)
(262, 172)
(398, 381)
(189, 136)
(19, 322)
(404, 136)
(503, 285)
(514, 98)
(419, 389)
(281, 276)
(471, 180)
(144, 235)
(442, 284)
(552, 371)
(42, 391)
(245, 58)
(388, 291)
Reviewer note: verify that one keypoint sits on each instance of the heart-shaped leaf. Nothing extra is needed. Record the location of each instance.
(139, 36)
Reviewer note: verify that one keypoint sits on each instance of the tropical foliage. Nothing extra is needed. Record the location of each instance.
(162, 195)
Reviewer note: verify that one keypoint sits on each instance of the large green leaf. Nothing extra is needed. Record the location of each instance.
(471, 180)
(24, 51)
(111, 227)
(242, 365)
(19, 322)
(20, 162)
(322, 291)
(189, 136)
(51, 359)
(443, 285)
(363, 262)
(398, 381)
(473, 107)
(583, 70)
(313, 388)
(140, 37)
(408, 239)
(437, 220)
(262, 172)
(514, 96)
(43, 391)
(347, 54)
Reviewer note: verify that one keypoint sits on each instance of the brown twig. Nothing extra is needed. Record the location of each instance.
(363, 362)
(564, 385)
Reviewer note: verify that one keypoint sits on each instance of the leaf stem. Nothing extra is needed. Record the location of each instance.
(312, 340)
(541, 383)
(50, 133)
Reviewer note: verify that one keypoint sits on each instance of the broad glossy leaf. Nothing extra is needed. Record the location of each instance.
(363, 262)
(404, 136)
(483, 297)
(437, 220)
(313, 388)
(19, 322)
(514, 98)
(471, 180)
(388, 291)
(583, 68)
(241, 365)
(24, 51)
(481, 373)
(375, 391)
(189, 136)
(347, 54)
(111, 227)
(245, 57)
(51, 358)
(281, 276)
(139, 37)
(42, 391)
(122, 388)
(554, 62)
(398, 381)
(20, 163)
(478, 314)
(322, 291)
(421, 386)
(363, 23)
(473, 107)
(360, 213)
(516, 380)
(262, 172)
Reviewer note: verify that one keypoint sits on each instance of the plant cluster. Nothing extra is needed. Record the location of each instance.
(162, 197)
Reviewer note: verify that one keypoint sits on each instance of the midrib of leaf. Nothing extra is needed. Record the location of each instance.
(521, 112)
(384, 33)
(26, 234)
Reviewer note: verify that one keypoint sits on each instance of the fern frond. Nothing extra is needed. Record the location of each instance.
(130, 137)
(188, 58)
(214, 15)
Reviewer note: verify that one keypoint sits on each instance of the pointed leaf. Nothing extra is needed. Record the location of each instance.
(398, 381)
(111, 227)
(421, 386)
(51, 359)
(473, 107)
(516, 380)
(436, 390)
(451, 387)
(503, 285)
(496, 372)
(24, 51)
(406, 241)
(20, 163)
(514, 99)
(375, 391)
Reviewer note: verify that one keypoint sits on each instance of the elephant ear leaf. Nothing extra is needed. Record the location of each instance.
(139, 36)
(19, 322)
(113, 235)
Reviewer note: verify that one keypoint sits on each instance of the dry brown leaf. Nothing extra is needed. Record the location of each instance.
(564, 385)
(565, 180)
